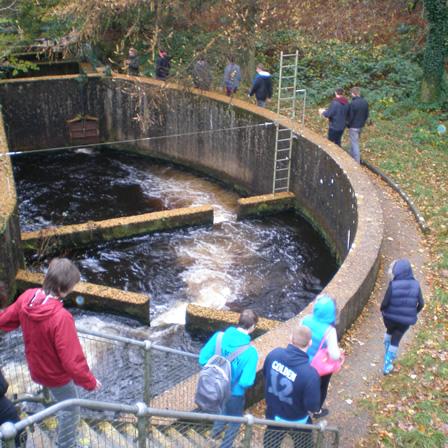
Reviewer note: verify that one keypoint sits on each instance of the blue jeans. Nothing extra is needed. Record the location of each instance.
(354, 143)
(335, 136)
(234, 406)
(68, 419)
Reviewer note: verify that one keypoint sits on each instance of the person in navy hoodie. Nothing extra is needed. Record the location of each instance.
(337, 116)
(262, 86)
(401, 304)
(244, 369)
(292, 389)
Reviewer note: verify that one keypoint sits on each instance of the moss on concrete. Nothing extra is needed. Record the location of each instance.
(265, 204)
(207, 320)
(48, 240)
(96, 297)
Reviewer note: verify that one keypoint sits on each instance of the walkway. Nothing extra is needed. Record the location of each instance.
(351, 390)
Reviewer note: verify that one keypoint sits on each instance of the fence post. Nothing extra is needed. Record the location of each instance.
(249, 430)
(9, 433)
(320, 439)
(142, 426)
(147, 372)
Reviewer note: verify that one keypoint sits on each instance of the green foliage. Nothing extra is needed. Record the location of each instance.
(385, 73)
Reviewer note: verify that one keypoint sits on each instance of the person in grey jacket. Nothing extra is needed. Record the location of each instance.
(358, 113)
(232, 77)
(202, 78)
(337, 116)
(401, 304)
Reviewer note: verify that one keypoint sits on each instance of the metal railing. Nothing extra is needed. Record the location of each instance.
(107, 424)
(130, 370)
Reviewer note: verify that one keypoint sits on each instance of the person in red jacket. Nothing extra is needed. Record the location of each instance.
(52, 348)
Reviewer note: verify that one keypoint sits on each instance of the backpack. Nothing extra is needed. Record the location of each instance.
(215, 379)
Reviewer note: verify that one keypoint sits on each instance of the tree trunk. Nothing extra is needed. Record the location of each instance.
(435, 50)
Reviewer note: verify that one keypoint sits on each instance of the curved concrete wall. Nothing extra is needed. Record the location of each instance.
(331, 190)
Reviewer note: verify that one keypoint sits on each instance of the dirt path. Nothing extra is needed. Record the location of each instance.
(351, 388)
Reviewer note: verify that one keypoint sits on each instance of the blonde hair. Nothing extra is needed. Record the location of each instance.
(301, 336)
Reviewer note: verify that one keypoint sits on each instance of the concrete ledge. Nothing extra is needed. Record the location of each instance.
(96, 297)
(54, 238)
(207, 320)
(265, 204)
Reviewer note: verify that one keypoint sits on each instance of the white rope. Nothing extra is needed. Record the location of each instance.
(91, 145)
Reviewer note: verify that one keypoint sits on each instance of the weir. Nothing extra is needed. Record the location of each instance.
(227, 139)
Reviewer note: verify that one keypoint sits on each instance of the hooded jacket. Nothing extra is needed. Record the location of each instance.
(292, 386)
(403, 299)
(322, 319)
(262, 86)
(337, 113)
(244, 366)
(52, 347)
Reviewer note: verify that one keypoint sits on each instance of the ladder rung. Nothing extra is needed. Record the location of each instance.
(283, 160)
(284, 98)
(281, 169)
(284, 140)
(284, 130)
(283, 178)
(283, 149)
(289, 55)
(289, 87)
(287, 66)
(286, 77)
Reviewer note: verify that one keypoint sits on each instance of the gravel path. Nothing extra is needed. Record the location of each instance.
(351, 388)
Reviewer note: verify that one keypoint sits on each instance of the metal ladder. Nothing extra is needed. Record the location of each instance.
(286, 106)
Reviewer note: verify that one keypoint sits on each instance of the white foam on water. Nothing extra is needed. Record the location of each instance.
(84, 151)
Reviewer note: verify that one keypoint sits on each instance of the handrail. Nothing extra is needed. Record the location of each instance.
(146, 344)
(141, 410)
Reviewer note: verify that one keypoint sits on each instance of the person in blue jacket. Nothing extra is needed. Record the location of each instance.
(322, 324)
(337, 116)
(262, 86)
(244, 368)
(401, 304)
(292, 389)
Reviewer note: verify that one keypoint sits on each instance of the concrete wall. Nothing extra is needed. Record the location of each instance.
(11, 257)
(331, 190)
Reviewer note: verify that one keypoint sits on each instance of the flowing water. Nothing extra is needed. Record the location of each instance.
(275, 265)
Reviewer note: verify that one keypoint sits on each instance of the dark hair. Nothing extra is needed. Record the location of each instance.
(232, 58)
(61, 277)
(248, 318)
(339, 91)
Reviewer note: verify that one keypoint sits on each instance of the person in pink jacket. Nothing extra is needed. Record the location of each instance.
(52, 348)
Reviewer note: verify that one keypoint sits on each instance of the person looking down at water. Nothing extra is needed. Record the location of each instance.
(262, 86)
(244, 368)
(52, 348)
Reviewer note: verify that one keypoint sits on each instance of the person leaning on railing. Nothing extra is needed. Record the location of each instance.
(52, 348)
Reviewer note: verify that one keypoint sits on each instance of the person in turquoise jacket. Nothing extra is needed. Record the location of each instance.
(322, 323)
(244, 369)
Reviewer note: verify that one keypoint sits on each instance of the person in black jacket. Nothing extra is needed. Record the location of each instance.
(8, 412)
(401, 304)
(358, 113)
(337, 116)
(292, 389)
(163, 65)
(262, 86)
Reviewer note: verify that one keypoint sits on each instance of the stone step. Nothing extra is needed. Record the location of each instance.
(197, 439)
(113, 436)
(178, 439)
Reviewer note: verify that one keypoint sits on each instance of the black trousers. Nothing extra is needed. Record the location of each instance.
(8, 413)
(396, 331)
(335, 136)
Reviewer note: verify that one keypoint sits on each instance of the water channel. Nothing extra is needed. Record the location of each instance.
(275, 265)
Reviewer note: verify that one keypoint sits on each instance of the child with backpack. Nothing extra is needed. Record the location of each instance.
(243, 366)
(401, 304)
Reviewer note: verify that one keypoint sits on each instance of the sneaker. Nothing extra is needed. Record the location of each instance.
(322, 413)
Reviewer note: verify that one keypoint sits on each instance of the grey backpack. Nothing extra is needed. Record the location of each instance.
(215, 378)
